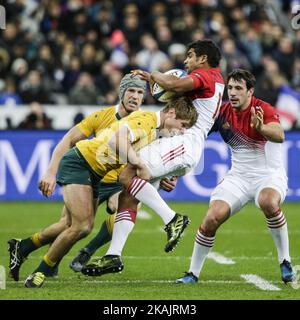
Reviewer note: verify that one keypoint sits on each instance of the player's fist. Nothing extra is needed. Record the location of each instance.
(168, 184)
(47, 184)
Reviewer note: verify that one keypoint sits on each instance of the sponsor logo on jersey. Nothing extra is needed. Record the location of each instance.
(226, 125)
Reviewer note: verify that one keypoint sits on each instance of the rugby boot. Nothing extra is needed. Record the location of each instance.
(174, 230)
(188, 277)
(106, 264)
(16, 258)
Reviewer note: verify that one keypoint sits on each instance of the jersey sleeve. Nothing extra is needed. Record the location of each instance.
(89, 124)
(198, 78)
(270, 114)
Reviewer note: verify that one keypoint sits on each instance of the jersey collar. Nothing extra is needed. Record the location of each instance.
(117, 115)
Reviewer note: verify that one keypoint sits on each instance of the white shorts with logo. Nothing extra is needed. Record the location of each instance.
(237, 190)
(174, 156)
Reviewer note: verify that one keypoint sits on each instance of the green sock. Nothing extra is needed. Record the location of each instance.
(27, 246)
(102, 237)
(46, 266)
(45, 269)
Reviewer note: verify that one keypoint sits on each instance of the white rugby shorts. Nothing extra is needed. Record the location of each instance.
(237, 190)
(173, 156)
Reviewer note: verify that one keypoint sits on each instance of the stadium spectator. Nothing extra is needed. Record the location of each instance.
(47, 35)
(119, 55)
(9, 96)
(269, 82)
(233, 56)
(72, 73)
(84, 92)
(284, 56)
(33, 89)
(36, 119)
(150, 57)
(296, 75)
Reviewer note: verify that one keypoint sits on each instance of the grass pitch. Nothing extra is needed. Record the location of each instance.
(149, 272)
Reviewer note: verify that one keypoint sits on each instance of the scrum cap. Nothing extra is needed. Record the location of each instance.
(129, 81)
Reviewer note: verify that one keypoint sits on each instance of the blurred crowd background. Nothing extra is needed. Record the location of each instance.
(75, 52)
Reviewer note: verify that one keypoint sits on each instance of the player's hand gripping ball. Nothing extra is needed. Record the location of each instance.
(160, 93)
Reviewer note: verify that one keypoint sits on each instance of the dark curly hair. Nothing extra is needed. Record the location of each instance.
(209, 48)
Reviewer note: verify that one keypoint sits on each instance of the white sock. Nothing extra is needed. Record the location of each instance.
(278, 228)
(124, 223)
(202, 247)
(147, 194)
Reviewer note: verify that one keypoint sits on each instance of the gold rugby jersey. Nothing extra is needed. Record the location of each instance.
(99, 120)
(142, 127)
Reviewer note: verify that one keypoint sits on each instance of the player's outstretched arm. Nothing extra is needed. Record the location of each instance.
(48, 182)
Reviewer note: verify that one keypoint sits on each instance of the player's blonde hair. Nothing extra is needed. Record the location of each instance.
(184, 109)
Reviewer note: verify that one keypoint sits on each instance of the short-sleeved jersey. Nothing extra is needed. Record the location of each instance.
(142, 127)
(251, 153)
(206, 96)
(94, 123)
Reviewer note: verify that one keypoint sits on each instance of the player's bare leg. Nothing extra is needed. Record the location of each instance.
(79, 201)
(103, 236)
(218, 213)
(269, 201)
(49, 234)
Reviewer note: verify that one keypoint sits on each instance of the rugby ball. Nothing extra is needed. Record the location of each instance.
(160, 93)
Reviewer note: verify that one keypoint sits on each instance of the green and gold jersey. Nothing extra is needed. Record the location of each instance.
(98, 121)
(113, 175)
(142, 127)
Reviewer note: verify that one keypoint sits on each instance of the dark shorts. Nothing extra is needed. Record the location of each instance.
(106, 190)
(73, 169)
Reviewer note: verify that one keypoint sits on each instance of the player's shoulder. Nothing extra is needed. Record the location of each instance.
(110, 109)
(141, 117)
(261, 103)
(142, 113)
(208, 74)
(104, 111)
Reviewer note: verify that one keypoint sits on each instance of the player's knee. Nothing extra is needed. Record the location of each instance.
(268, 205)
(124, 179)
(86, 229)
(210, 225)
(64, 223)
(80, 231)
